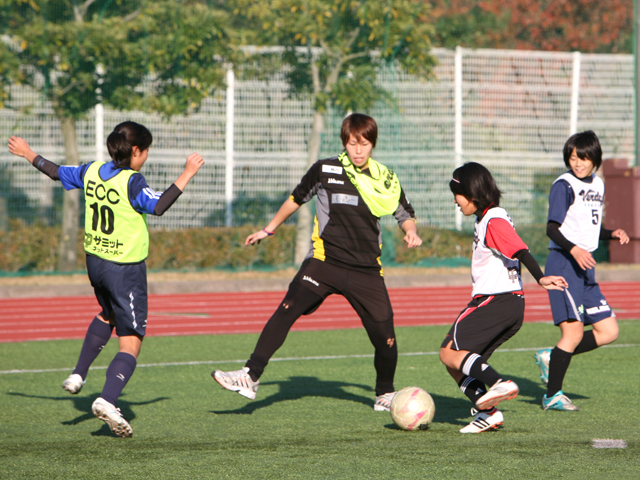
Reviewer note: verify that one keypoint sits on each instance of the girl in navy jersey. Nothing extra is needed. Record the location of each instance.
(575, 228)
(117, 200)
(496, 311)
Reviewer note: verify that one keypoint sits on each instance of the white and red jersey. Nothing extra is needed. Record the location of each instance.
(495, 242)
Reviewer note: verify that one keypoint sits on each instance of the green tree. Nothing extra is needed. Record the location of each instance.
(333, 49)
(467, 23)
(9, 72)
(80, 53)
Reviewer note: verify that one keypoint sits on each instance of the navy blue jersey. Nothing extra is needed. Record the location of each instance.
(142, 198)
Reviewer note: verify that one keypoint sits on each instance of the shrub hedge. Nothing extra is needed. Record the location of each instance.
(32, 248)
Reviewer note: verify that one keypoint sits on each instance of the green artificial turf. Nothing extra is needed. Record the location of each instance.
(313, 416)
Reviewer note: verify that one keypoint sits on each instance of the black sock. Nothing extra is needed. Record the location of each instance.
(587, 343)
(558, 366)
(97, 336)
(472, 388)
(297, 302)
(256, 365)
(474, 366)
(118, 374)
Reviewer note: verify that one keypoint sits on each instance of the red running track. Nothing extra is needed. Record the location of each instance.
(27, 319)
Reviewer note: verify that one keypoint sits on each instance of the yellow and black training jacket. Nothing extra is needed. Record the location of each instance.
(345, 232)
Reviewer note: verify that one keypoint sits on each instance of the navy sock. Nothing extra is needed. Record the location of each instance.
(558, 366)
(587, 343)
(97, 336)
(118, 374)
(474, 366)
(472, 388)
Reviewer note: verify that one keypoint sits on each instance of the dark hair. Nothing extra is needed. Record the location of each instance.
(124, 137)
(359, 125)
(475, 182)
(587, 147)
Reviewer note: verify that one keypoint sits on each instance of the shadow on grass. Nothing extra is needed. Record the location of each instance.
(532, 391)
(83, 404)
(299, 387)
(457, 410)
(452, 410)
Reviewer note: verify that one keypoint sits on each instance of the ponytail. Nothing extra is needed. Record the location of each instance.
(124, 137)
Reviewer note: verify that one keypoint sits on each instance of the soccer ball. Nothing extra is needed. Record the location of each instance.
(412, 408)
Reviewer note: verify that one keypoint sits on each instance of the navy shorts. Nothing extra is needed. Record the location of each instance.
(486, 323)
(583, 300)
(121, 290)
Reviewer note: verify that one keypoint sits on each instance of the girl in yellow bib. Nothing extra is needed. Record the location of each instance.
(117, 201)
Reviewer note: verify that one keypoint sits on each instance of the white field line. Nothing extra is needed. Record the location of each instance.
(287, 359)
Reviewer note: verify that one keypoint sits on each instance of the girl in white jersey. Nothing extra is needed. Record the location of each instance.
(575, 227)
(496, 311)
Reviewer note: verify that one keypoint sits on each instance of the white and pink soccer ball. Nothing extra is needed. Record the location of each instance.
(412, 408)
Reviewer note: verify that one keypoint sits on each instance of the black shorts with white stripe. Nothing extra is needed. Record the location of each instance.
(486, 323)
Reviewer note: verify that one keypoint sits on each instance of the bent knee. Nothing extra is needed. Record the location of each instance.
(572, 332)
(607, 331)
(447, 357)
(614, 332)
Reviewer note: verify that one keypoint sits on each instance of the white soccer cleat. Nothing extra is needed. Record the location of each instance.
(499, 392)
(73, 384)
(237, 381)
(484, 421)
(111, 415)
(383, 402)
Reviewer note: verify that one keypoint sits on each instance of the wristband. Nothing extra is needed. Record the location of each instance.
(268, 232)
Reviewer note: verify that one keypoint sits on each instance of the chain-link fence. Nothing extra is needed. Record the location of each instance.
(510, 110)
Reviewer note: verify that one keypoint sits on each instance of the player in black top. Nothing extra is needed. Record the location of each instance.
(353, 191)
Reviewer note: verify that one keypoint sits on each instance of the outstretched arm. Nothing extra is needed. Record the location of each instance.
(19, 146)
(503, 237)
(303, 192)
(194, 162)
(550, 282)
(171, 194)
(288, 208)
(553, 282)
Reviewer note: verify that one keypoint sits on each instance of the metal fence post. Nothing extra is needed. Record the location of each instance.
(575, 93)
(458, 121)
(99, 112)
(228, 147)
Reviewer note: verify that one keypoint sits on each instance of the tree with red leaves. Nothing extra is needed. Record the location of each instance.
(597, 26)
